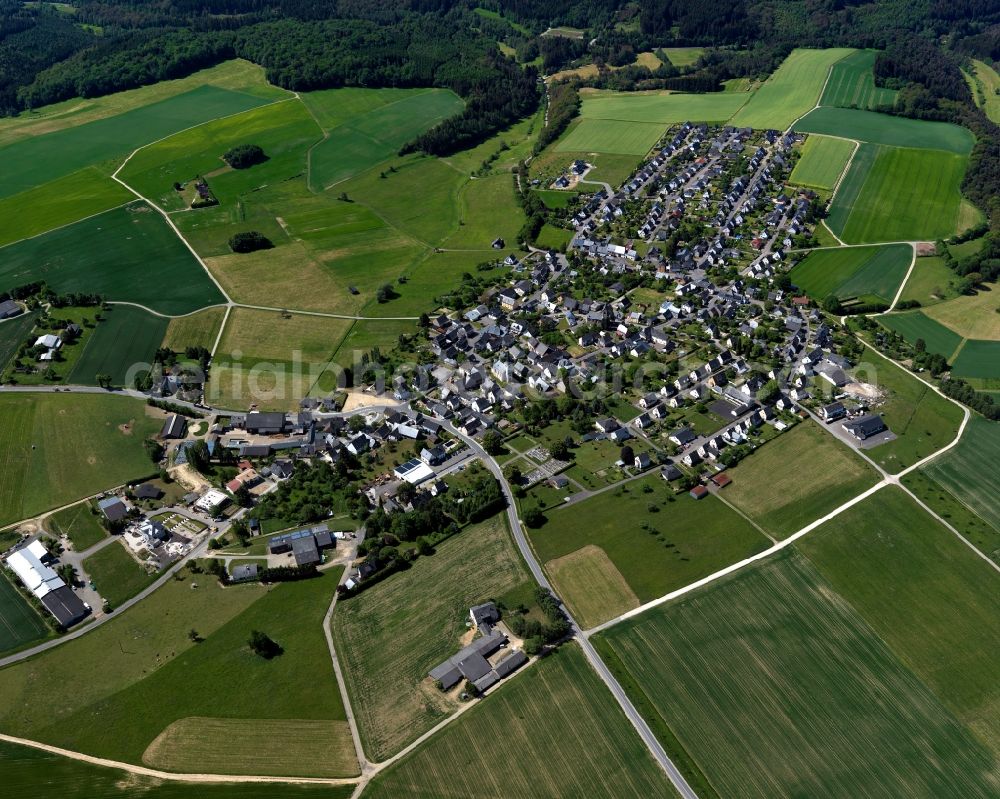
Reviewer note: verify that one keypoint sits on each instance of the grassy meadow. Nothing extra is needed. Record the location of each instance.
(12, 333)
(985, 85)
(124, 342)
(931, 281)
(772, 683)
(393, 699)
(791, 91)
(661, 107)
(79, 523)
(799, 477)
(116, 574)
(556, 729)
(199, 329)
(913, 325)
(58, 448)
(853, 272)
(852, 84)
(822, 163)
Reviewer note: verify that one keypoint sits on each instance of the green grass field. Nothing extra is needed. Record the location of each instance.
(611, 136)
(37, 160)
(359, 142)
(850, 187)
(868, 126)
(773, 684)
(392, 697)
(799, 477)
(921, 589)
(664, 108)
(197, 330)
(930, 181)
(979, 360)
(687, 539)
(12, 333)
(58, 448)
(985, 85)
(822, 163)
(78, 523)
(852, 84)
(116, 574)
(931, 281)
(366, 334)
(488, 210)
(127, 254)
(555, 728)
(913, 325)
(20, 623)
(922, 420)
(792, 90)
(853, 271)
(24, 769)
(122, 344)
(683, 56)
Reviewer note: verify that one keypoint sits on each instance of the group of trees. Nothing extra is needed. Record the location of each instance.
(535, 633)
(249, 241)
(244, 156)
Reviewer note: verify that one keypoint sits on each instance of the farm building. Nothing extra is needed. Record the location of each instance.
(244, 573)
(721, 479)
(414, 471)
(47, 586)
(865, 427)
(174, 427)
(9, 308)
(699, 492)
(469, 662)
(113, 508)
(265, 423)
(305, 545)
(484, 617)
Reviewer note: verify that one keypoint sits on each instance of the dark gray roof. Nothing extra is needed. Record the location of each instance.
(446, 673)
(148, 491)
(264, 421)
(245, 571)
(486, 681)
(174, 427)
(485, 612)
(474, 666)
(113, 508)
(66, 606)
(509, 664)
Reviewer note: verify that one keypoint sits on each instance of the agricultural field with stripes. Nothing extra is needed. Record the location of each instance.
(823, 161)
(854, 272)
(852, 84)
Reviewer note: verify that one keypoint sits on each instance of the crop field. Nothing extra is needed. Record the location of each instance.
(822, 163)
(359, 142)
(868, 126)
(197, 330)
(185, 682)
(592, 585)
(127, 254)
(799, 477)
(913, 325)
(24, 769)
(979, 360)
(931, 281)
(929, 180)
(922, 420)
(850, 187)
(12, 333)
(985, 85)
(852, 84)
(792, 90)
(123, 343)
(556, 730)
(393, 700)
(662, 107)
(853, 271)
(960, 470)
(58, 203)
(657, 542)
(78, 523)
(973, 316)
(37, 160)
(611, 136)
(58, 448)
(20, 623)
(772, 683)
(921, 589)
(272, 359)
(116, 574)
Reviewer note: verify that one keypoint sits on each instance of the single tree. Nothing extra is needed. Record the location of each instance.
(493, 442)
(263, 645)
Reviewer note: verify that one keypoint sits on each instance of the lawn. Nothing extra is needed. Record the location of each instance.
(121, 346)
(868, 126)
(961, 470)
(822, 163)
(931, 281)
(922, 590)
(20, 623)
(852, 84)
(116, 574)
(979, 360)
(354, 143)
(58, 203)
(913, 325)
(922, 420)
(854, 271)
(199, 329)
(556, 730)
(792, 90)
(40, 159)
(777, 687)
(79, 523)
(420, 612)
(551, 237)
(973, 316)
(797, 478)
(930, 181)
(57, 448)
(618, 136)
(127, 254)
(686, 538)
(664, 108)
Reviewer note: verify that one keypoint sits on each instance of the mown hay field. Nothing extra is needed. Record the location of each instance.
(973, 316)
(127, 254)
(777, 687)
(791, 91)
(591, 586)
(57, 448)
(853, 272)
(930, 282)
(922, 590)
(822, 163)
(389, 636)
(797, 478)
(852, 84)
(199, 329)
(555, 729)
